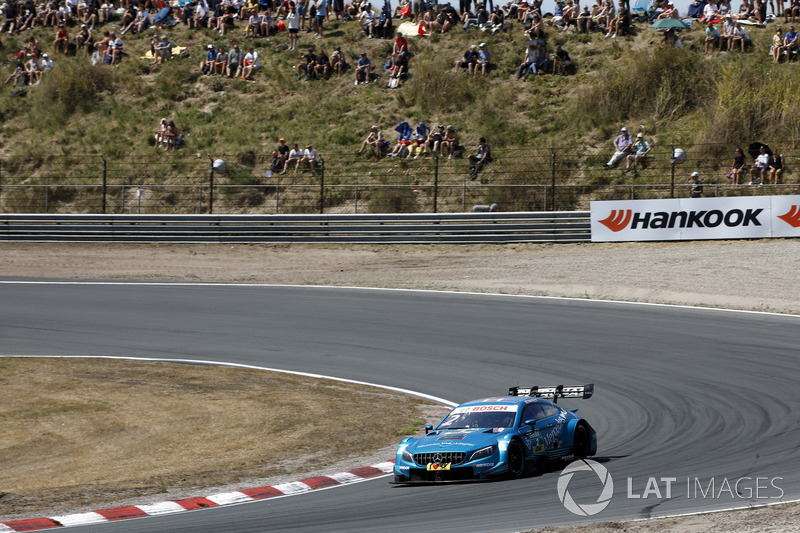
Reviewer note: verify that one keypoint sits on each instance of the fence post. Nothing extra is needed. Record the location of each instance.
(322, 193)
(211, 185)
(553, 181)
(277, 193)
(47, 193)
(435, 181)
(105, 183)
(672, 163)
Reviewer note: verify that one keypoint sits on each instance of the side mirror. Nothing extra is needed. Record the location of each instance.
(531, 423)
(428, 428)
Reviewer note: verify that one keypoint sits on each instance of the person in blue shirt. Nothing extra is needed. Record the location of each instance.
(208, 63)
(363, 68)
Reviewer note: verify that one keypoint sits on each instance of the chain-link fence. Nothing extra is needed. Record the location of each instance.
(557, 179)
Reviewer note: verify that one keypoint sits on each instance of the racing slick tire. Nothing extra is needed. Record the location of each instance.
(580, 444)
(516, 459)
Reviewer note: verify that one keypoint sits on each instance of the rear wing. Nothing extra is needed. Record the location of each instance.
(554, 392)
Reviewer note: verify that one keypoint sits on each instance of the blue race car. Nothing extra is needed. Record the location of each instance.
(495, 437)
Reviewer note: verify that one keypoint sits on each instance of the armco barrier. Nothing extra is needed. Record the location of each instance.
(455, 228)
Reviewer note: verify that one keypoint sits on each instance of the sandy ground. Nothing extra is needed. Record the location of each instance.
(750, 275)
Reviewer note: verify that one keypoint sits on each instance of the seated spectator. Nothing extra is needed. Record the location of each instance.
(280, 155)
(760, 169)
(363, 68)
(159, 133)
(322, 65)
(143, 21)
(305, 67)
(115, 50)
(420, 145)
(404, 133)
(585, 22)
(310, 158)
(746, 11)
(450, 142)
(792, 10)
(207, 64)
(251, 63)
(790, 42)
(739, 37)
(398, 70)
(481, 157)
(561, 61)
(484, 58)
(712, 38)
(163, 51)
(725, 41)
(469, 60)
(368, 21)
(338, 63)
(170, 136)
(531, 54)
(220, 62)
(619, 25)
(777, 45)
(374, 141)
(738, 167)
(430, 23)
(384, 26)
(84, 39)
(641, 149)
(128, 19)
(47, 63)
(448, 17)
(710, 12)
(775, 167)
(295, 155)
(235, 60)
(623, 146)
(402, 9)
(671, 39)
(435, 139)
(670, 12)
(61, 41)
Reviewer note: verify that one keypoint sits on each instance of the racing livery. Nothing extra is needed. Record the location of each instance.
(501, 436)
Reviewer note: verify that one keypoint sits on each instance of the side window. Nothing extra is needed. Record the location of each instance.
(532, 411)
(550, 409)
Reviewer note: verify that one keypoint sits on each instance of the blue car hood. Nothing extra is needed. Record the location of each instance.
(455, 440)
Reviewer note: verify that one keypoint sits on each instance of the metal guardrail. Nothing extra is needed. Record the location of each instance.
(455, 228)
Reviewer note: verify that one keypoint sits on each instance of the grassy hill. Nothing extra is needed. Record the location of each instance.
(706, 104)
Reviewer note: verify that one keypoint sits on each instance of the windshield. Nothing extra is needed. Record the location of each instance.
(473, 417)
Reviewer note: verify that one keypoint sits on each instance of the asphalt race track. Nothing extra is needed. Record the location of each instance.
(709, 398)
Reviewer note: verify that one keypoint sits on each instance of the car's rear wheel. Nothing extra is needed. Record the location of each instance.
(580, 443)
(516, 459)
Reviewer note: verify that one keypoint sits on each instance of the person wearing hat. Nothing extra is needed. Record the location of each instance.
(450, 141)
(207, 64)
(306, 68)
(696, 190)
(641, 149)
(375, 141)
(310, 158)
(280, 155)
(623, 146)
(338, 62)
(46, 63)
(484, 56)
(363, 68)
(61, 41)
(469, 60)
(84, 38)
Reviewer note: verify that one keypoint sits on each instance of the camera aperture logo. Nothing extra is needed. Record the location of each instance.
(587, 509)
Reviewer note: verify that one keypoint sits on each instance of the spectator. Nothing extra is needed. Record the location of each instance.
(160, 132)
(585, 21)
(47, 63)
(404, 133)
(34, 70)
(739, 37)
(322, 65)
(777, 45)
(696, 190)
(338, 63)
(280, 155)
(710, 12)
(207, 64)
(450, 142)
(399, 69)
(738, 167)
(727, 33)
(163, 51)
(295, 155)
(478, 159)
(790, 42)
(363, 68)
(319, 18)
(469, 60)
(221, 61)
(142, 22)
(760, 170)
(368, 21)
(531, 54)
(619, 25)
(671, 39)
(484, 57)
(310, 158)
(623, 146)
(251, 63)
(792, 10)
(375, 141)
(641, 150)
(293, 24)
(561, 61)
(712, 38)
(170, 136)
(420, 145)
(61, 41)
(435, 140)
(235, 60)
(775, 167)
(83, 38)
(400, 43)
(384, 24)
(306, 69)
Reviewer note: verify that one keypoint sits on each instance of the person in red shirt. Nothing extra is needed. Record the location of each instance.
(62, 40)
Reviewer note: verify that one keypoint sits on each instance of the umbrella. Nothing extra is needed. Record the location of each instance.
(755, 149)
(669, 24)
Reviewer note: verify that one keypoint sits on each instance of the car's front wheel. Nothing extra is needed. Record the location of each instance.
(516, 459)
